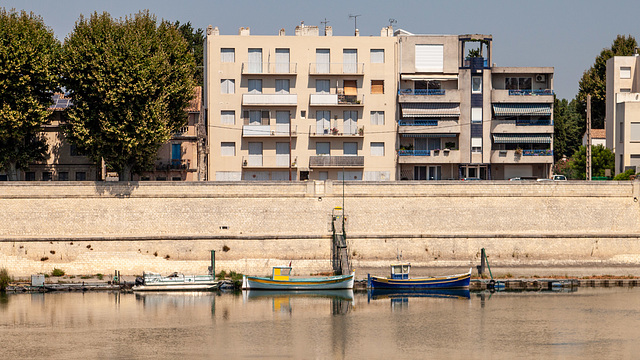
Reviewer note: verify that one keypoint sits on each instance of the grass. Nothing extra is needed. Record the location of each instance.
(4, 279)
(57, 272)
(99, 276)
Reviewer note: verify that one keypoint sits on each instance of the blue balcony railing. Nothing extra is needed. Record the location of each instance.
(543, 122)
(547, 152)
(414, 152)
(418, 122)
(421, 92)
(531, 92)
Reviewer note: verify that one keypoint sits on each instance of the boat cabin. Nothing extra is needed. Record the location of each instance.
(400, 271)
(281, 273)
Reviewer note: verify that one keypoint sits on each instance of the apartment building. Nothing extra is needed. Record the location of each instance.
(461, 116)
(307, 106)
(622, 121)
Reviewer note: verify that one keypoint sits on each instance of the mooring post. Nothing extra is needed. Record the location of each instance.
(482, 262)
(212, 270)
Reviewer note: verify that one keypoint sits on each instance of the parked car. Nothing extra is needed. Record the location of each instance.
(559, 178)
(470, 179)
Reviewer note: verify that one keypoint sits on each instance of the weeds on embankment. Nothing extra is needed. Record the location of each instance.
(4, 279)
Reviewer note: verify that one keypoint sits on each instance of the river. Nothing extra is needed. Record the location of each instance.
(590, 323)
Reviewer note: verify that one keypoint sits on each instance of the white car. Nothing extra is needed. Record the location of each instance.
(559, 178)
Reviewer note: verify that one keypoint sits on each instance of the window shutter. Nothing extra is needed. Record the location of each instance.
(429, 58)
(350, 87)
(377, 86)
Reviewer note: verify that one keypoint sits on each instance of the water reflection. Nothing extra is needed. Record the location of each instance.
(400, 298)
(341, 300)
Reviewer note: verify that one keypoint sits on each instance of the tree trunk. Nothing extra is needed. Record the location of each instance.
(12, 172)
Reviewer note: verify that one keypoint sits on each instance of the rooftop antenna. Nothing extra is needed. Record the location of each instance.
(392, 21)
(325, 22)
(355, 17)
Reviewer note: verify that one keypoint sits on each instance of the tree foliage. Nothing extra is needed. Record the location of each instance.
(29, 55)
(601, 159)
(195, 39)
(130, 81)
(568, 128)
(594, 82)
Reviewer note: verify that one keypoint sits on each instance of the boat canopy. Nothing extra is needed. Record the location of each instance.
(281, 273)
(400, 271)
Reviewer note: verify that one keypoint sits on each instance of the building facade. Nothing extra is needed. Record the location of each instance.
(302, 107)
(622, 121)
(395, 107)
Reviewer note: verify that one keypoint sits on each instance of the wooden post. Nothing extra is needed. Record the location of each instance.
(588, 172)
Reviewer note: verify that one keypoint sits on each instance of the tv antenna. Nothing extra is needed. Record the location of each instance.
(355, 17)
(325, 22)
(392, 21)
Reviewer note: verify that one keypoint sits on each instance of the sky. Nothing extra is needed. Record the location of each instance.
(564, 34)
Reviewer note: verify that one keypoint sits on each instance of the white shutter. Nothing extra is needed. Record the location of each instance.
(228, 149)
(350, 175)
(227, 55)
(350, 125)
(377, 118)
(476, 114)
(255, 61)
(350, 61)
(625, 72)
(476, 142)
(282, 154)
(377, 56)
(429, 58)
(634, 132)
(227, 86)
(228, 117)
(322, 61)
(282, 61)
(255, 154)
(228, 175)
(377, 149)
(255, 86)
(322, 86)
(282, 122)
(322, 122)
(282, 86)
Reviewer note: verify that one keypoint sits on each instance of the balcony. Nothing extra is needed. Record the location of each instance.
(421, 92)
(174, 164)
(336, 100)
(542, 126)
(327, 161)
(269, 68)
(268, 162)
(520, 156)
(429, 156)
(270, 99)
(336, 132)
(336, 69)
(430, 95)
(535, 92)
(275, 131)
(522, 96)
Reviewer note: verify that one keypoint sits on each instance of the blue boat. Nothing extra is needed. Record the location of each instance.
(378, 294)
(400, 280)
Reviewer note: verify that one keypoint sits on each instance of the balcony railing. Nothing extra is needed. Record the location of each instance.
(418, 122)
(269, 99)
(545, 152)
(174, 164)
(355, 131)
(336, 99)
(269, 68)
(280, 130)
(268, 161)
(542, 122)
(421, 92)
(414, 152)
(336, 68)
(531, 92)
(336, 161)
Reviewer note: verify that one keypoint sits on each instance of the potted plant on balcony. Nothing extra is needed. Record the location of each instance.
(518, 152)
(244, 162)
(334, 131)
(361, 131)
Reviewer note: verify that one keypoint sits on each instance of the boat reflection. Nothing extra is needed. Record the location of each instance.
(177, 299)
(341, 300)
(400, 298)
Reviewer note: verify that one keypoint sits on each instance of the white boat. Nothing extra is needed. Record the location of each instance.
(281, 280)
(175, 282)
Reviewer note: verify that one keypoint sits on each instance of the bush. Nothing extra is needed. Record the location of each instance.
(625, 175)
(4, 279)
(57, 272)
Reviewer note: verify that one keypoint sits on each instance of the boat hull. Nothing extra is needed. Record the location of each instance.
(322, 283)
(459, 281)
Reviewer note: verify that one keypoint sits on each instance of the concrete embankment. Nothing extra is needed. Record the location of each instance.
(89, 228)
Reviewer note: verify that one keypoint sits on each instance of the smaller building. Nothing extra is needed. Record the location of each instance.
(598, 137)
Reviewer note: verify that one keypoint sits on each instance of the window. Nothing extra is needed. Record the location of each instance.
(350, 61)
(377, 149)
(227, 55)
(429, 58)
(621, 132)
(350, 122)
(322, 61)
(377, 56)
(350, 87)
(476, 114)
(255, 86)
(227, 86)
(625, 72)
(282, 86)
(323, 148)
(323, 121)
(47, 176)
(73, 151)
(322, 86)
(81, 176)
(625, 90)
(256, 117)
(282, 61)
(377, 86)
(427, 85)
(255, 154)
(228, 117)
(350, 149)
(634, 131)
(524, 83)
(176, 152)
(377, 118)
(227, 149)
(63, 176)
(476, 85)
(255, 61)
(176, 178)
(514, 83)
(30, 176)
(476, 144)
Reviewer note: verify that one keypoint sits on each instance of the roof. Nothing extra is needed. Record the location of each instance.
(60, 102)
(196, 102)
(598, 134)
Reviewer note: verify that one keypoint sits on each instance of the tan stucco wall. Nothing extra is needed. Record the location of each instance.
(100, 227)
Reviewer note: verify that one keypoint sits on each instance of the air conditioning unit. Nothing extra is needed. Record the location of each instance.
(541, 78)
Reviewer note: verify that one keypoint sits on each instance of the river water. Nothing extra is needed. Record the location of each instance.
(590, 323)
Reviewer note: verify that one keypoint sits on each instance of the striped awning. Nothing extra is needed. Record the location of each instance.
(522, 138)
(522, 109)
(422, 110)
(415, 135)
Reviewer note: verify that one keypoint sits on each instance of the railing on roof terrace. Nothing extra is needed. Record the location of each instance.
(414, 152)
(531, 92)
(418, 122)
(541, 122)
(543, 152)
(421, 92)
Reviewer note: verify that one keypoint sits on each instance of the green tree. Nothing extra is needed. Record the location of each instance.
(594, 81)
(566, 127)
(29, 55)
(601, 159)
(195, 39)
(130, 80)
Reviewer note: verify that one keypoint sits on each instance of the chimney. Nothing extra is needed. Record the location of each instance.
(303, 30)
(244, 31)
(386, 31)
(328, 31)
(213, 30)
(357, 32)
(281, 32)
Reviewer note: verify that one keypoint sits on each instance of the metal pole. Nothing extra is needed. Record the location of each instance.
(289, 145)
(588, 170)
(213, 263)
